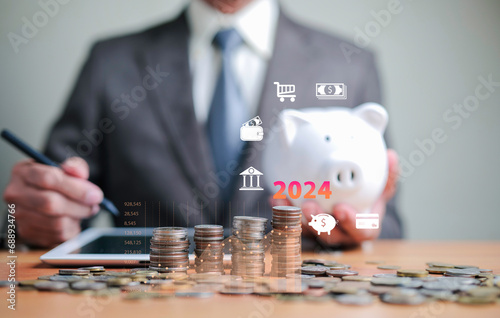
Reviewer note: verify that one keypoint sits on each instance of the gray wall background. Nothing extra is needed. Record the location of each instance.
(430, 57)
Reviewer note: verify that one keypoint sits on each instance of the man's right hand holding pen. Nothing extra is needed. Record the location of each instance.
(50, 202)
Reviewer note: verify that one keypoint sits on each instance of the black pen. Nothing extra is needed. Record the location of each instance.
(41, 158)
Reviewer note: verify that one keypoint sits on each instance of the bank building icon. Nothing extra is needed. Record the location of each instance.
(251, 179)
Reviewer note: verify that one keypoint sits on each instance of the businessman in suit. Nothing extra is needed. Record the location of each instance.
(154, 118)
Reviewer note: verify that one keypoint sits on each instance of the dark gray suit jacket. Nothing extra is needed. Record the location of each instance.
(131, 117)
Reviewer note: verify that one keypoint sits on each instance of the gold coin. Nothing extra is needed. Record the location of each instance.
(30, 282)
(475, 300)
(436, 270)
(389, 267)
(119, 281)
(143, 295)
(484, 292)
(357, 278)
(339, 266)
(94, 269)
(343, 290)
(440, 264)
(412, 273)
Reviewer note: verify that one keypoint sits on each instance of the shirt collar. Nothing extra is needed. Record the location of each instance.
(256, 23)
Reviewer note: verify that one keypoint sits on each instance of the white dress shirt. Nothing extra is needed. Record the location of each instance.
(256, 23)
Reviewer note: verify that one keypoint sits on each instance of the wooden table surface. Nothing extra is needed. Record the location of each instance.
(408, 254)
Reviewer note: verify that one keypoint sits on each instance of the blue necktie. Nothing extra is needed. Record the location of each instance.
(227, 112)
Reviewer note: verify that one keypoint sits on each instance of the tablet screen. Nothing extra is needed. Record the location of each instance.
(110, 244)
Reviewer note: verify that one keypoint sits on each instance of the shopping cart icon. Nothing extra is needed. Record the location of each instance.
(285, 91)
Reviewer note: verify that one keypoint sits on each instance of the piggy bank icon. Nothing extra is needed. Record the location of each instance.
(323, 223)
(342, 146)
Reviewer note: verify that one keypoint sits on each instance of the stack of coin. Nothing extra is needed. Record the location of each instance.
(169, 250)
(248, 246)
(209, 244)
(285, 241)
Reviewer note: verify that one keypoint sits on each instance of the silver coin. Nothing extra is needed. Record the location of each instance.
(442, 285)
(460, 280)
(299, 276)
(313, 283)
(170, 230)
(340, 273)
(169, 269)
(414, 283)
(313, 270)
(438, 294)
(51, 285)
(358, 300)
(390, 281)
(88, 285)
(64, 278)
(315, 261)
(229, 291)
(286, 209)
(403, 297)
(440, 264)
(466, 272)
(389, 267)
(194, 294)
(6, 283)
(385, 275)
(210, 227)
(101, 278)
(77, 272)
(379, 290)
(93, 269)
(139, 295)
(44, 277)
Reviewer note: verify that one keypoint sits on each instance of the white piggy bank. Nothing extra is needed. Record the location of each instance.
(340, 145)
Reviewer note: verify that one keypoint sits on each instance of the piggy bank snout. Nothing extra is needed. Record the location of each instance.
(345, 175)
(313, 222)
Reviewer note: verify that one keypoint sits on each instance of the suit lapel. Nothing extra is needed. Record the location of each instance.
(173, 102)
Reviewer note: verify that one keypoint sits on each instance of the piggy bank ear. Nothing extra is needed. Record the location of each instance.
(374, 114)
(291, 121)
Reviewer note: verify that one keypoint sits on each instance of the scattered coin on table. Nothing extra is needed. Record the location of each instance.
(290, 278)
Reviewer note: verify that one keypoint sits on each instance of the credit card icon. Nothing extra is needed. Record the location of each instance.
(367, 221)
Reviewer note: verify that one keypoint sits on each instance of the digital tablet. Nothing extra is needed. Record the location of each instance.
(109, 246)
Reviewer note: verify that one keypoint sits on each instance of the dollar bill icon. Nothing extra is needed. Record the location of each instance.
(331, 91)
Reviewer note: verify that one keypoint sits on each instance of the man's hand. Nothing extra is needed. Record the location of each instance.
(345, 232)
(50, 202)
